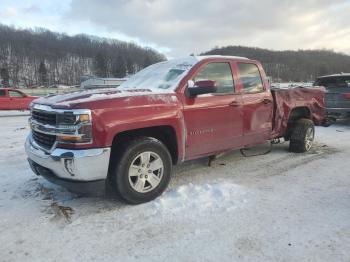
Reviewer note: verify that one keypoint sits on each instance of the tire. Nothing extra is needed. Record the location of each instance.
(302, 136)
(136, 180)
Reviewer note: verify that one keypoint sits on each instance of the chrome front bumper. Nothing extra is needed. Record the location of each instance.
(74, 165)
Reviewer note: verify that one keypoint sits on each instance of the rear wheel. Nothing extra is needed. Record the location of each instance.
(302, 137)
(142, 171)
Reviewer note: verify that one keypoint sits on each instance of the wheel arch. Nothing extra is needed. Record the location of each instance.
(164, 133)
(299, 112)
(295, 114)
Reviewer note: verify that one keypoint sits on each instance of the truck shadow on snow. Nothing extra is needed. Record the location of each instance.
(64, 207)
(255, 163)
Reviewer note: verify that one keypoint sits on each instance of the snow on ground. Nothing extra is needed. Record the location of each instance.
(275, 207)
(11, 113)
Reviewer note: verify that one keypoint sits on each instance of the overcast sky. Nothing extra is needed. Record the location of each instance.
(181, 27)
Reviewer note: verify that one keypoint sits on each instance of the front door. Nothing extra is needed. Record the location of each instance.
(213, 121)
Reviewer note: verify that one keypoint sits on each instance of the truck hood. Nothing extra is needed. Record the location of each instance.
(93, 98)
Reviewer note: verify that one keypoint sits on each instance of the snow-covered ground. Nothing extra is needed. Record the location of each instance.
(275, 207)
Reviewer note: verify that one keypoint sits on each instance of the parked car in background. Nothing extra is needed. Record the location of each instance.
(61, 86)
(12, 99)
(337, 94)
(94, 83)
(32, 86)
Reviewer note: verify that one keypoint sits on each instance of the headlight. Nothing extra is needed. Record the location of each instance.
(75, 127)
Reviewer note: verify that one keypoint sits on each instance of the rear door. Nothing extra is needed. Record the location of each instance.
(213, 121)
(337, 91)
(257, 104)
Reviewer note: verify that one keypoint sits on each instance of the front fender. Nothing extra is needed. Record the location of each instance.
(110, 123)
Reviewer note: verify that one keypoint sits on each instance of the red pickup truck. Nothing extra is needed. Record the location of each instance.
(129, 138)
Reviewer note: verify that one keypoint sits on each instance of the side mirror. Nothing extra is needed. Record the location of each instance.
(201, 87)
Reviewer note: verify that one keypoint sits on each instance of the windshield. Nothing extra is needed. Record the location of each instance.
(161, 77)
(333, 82)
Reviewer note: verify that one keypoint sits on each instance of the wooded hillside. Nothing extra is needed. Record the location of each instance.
(42, 57)
(301, 65)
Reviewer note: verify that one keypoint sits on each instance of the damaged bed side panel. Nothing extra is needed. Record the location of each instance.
(308, 100)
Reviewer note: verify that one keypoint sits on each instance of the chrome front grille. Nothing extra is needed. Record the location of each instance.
(44, 117)
(41, 118)
(51, 127)
(44, 140)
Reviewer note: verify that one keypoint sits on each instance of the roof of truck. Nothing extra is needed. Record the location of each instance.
(221, 56)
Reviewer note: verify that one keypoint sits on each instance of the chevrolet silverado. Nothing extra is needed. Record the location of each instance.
(128, 138)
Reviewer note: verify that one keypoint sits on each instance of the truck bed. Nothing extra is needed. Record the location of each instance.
(311, 99)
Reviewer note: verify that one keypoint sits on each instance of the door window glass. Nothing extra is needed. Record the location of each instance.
(15, 94)
(220, 73)
(250, 78)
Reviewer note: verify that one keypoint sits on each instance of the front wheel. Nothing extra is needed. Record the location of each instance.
(142, 171)
(302, 136)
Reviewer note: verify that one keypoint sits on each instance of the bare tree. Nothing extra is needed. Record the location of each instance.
(5, 77)
(42, 74)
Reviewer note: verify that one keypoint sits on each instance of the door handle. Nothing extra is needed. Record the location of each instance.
(234, 103)
(267, 101)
